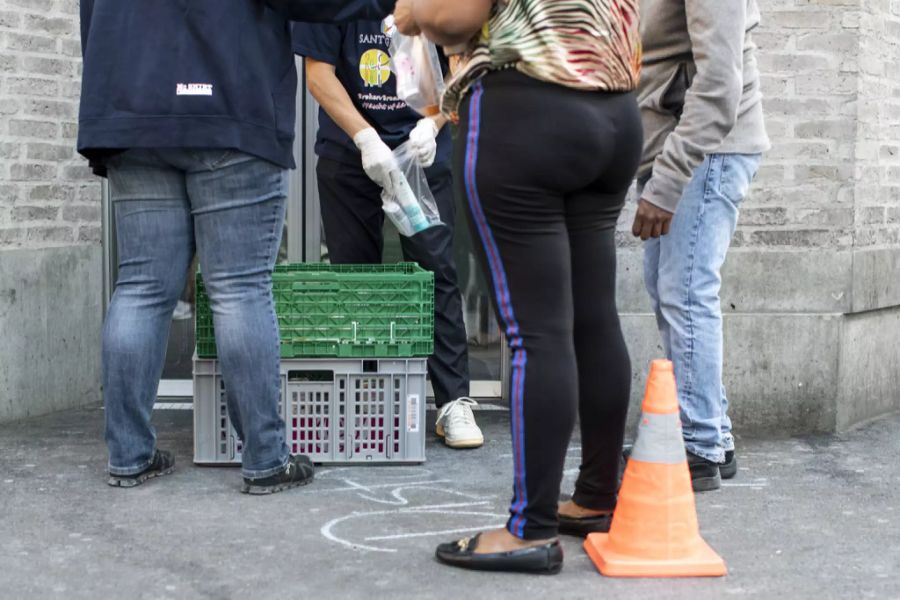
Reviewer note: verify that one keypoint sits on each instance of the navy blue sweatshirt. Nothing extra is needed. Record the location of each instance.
(196, 73)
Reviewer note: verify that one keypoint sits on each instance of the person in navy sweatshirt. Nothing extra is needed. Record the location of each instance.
(188, 107)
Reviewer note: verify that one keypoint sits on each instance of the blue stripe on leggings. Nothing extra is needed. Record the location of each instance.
(504, 302)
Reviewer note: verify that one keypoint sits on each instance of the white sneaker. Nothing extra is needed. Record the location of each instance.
(456, 424)
(183, 311)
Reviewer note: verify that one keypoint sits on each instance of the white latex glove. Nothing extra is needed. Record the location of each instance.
(423, 141)
(377, 159)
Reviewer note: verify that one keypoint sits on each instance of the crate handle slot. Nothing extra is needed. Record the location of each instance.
(310, 375)
(327, 284)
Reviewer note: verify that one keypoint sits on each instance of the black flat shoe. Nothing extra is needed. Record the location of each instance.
(582, 527)
(544, 560)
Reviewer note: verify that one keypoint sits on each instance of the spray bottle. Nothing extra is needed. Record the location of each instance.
(406, 198)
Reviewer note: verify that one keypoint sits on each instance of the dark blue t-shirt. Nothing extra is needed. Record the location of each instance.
(359, 53)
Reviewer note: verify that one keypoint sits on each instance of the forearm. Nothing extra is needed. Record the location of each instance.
(717, 29)
(332, 11)
(331, 95)
(451, 22)
(439, 120)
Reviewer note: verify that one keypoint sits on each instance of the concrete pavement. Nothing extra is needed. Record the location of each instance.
(813, 517)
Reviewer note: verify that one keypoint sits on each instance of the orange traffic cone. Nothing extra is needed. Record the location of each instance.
(654, 531)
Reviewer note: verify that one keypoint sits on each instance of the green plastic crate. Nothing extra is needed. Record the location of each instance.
(343, 311)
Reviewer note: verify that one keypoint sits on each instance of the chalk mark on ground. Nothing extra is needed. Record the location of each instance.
(459, 504)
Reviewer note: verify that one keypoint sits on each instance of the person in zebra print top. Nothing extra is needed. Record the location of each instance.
(548, 141)
(582, 44)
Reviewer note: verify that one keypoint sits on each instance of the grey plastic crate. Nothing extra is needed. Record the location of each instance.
(335, 411)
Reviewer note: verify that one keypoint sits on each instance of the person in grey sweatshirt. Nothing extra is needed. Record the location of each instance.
(704, 135)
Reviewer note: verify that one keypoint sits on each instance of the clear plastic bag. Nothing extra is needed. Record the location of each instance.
(420, 80)
(409, 204)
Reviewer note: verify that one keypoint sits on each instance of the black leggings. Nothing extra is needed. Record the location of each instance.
(544, 171)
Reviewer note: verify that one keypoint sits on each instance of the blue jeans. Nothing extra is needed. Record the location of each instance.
(228, 207)
(682, 271)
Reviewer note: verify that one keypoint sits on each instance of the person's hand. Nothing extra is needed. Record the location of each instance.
(650, 221)
(403, 18)
(423, 141)
(377, 159)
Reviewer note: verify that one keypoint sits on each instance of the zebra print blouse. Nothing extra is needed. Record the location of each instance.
(583, 44)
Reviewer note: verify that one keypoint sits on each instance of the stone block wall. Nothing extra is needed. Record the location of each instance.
(47, 195)
(50, 254)
(813, 279)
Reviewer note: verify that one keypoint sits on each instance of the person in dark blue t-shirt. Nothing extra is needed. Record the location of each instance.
(361, 121)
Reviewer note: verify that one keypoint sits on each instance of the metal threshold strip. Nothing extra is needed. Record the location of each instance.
(171, 390)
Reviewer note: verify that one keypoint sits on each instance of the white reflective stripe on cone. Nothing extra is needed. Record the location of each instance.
(659, 440)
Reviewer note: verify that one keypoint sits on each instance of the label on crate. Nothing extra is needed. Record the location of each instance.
(412, 413)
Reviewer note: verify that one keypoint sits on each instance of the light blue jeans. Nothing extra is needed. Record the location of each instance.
(682, 271)
(229, 208)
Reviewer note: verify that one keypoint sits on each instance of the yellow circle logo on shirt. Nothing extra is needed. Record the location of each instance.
(375, 67)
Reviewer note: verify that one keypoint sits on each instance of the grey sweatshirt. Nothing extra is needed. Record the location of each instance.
(699, 92)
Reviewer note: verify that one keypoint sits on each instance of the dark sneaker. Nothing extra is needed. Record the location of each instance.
(729, 468)
(705, 475)
(299, 471)
(163, 463)
(626, 454)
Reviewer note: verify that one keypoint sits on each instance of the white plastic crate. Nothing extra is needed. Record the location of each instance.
(335, 411)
